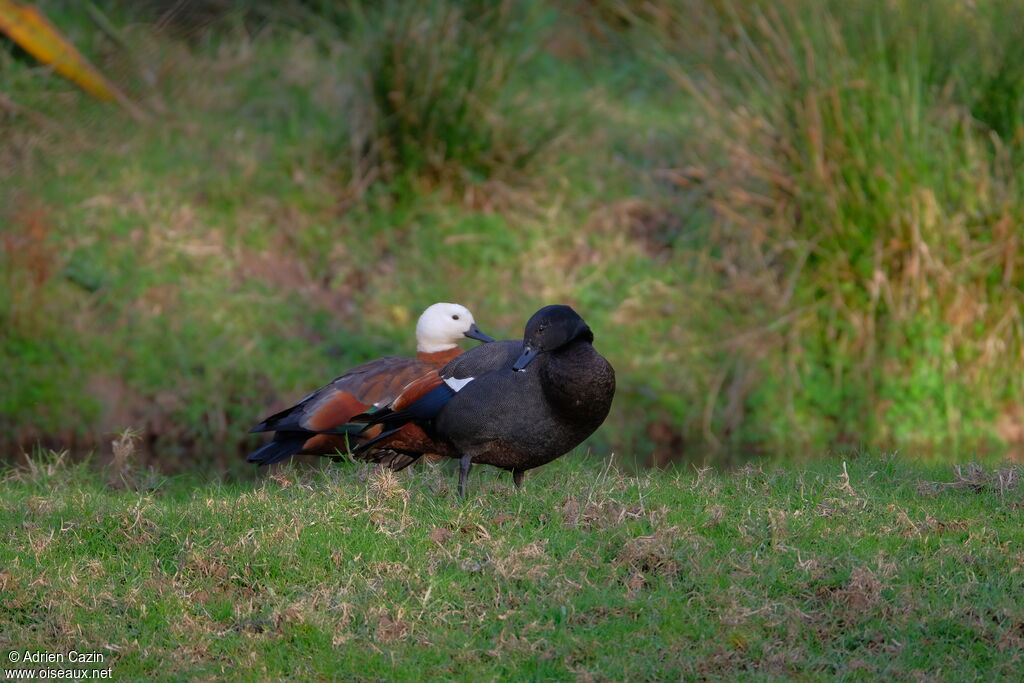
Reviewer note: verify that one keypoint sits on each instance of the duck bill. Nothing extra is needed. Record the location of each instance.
(528, 355)
(474, 333)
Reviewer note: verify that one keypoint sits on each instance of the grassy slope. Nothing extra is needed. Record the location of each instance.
(215, 263)
(766, 267)
(586, 575)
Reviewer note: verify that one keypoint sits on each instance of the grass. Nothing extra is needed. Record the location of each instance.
(846, 218)
(851, 570)
(789, 224)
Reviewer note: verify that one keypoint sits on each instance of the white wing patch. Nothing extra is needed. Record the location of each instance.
(457, 384)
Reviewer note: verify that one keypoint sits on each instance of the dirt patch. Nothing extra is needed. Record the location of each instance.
(659, 554)
(440, 536)
(390, 629)
(862, 592)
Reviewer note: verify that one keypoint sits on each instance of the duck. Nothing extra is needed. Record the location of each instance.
(318, 423)
(513, 404)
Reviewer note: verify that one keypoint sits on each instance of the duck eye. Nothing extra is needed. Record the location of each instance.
(455, 317)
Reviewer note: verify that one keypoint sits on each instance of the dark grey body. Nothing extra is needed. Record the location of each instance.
(521, 420)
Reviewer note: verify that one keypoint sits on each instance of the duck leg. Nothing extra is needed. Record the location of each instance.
(517, 478)
(465, 463)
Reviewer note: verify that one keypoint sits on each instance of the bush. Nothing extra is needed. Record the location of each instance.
(432, 97)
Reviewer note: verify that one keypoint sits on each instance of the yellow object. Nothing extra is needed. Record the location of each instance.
(401, 316)
(27, 27)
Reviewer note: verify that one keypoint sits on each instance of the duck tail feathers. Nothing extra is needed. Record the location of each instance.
(276, 451)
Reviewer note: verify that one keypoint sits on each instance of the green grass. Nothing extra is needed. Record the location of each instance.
(791, 225)
(852, 571)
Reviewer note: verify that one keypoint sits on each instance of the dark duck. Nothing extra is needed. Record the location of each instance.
(319, 423)
(512, 404)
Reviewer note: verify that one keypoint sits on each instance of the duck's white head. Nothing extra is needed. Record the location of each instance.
(442, 326)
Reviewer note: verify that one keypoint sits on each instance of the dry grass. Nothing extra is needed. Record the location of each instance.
(976, 478)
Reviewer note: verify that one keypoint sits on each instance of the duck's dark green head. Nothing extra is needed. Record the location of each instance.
(549, 329)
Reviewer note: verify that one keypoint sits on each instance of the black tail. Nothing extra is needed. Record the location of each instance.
(380, 437)
(270, 424)
(276, 451)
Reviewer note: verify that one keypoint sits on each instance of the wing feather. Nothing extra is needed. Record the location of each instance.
(375, 383)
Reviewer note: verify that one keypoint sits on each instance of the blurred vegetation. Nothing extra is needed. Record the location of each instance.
(793, 226)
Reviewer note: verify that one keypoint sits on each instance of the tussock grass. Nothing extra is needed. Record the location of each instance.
(838, 570)
(861, 190)
(434, 97)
